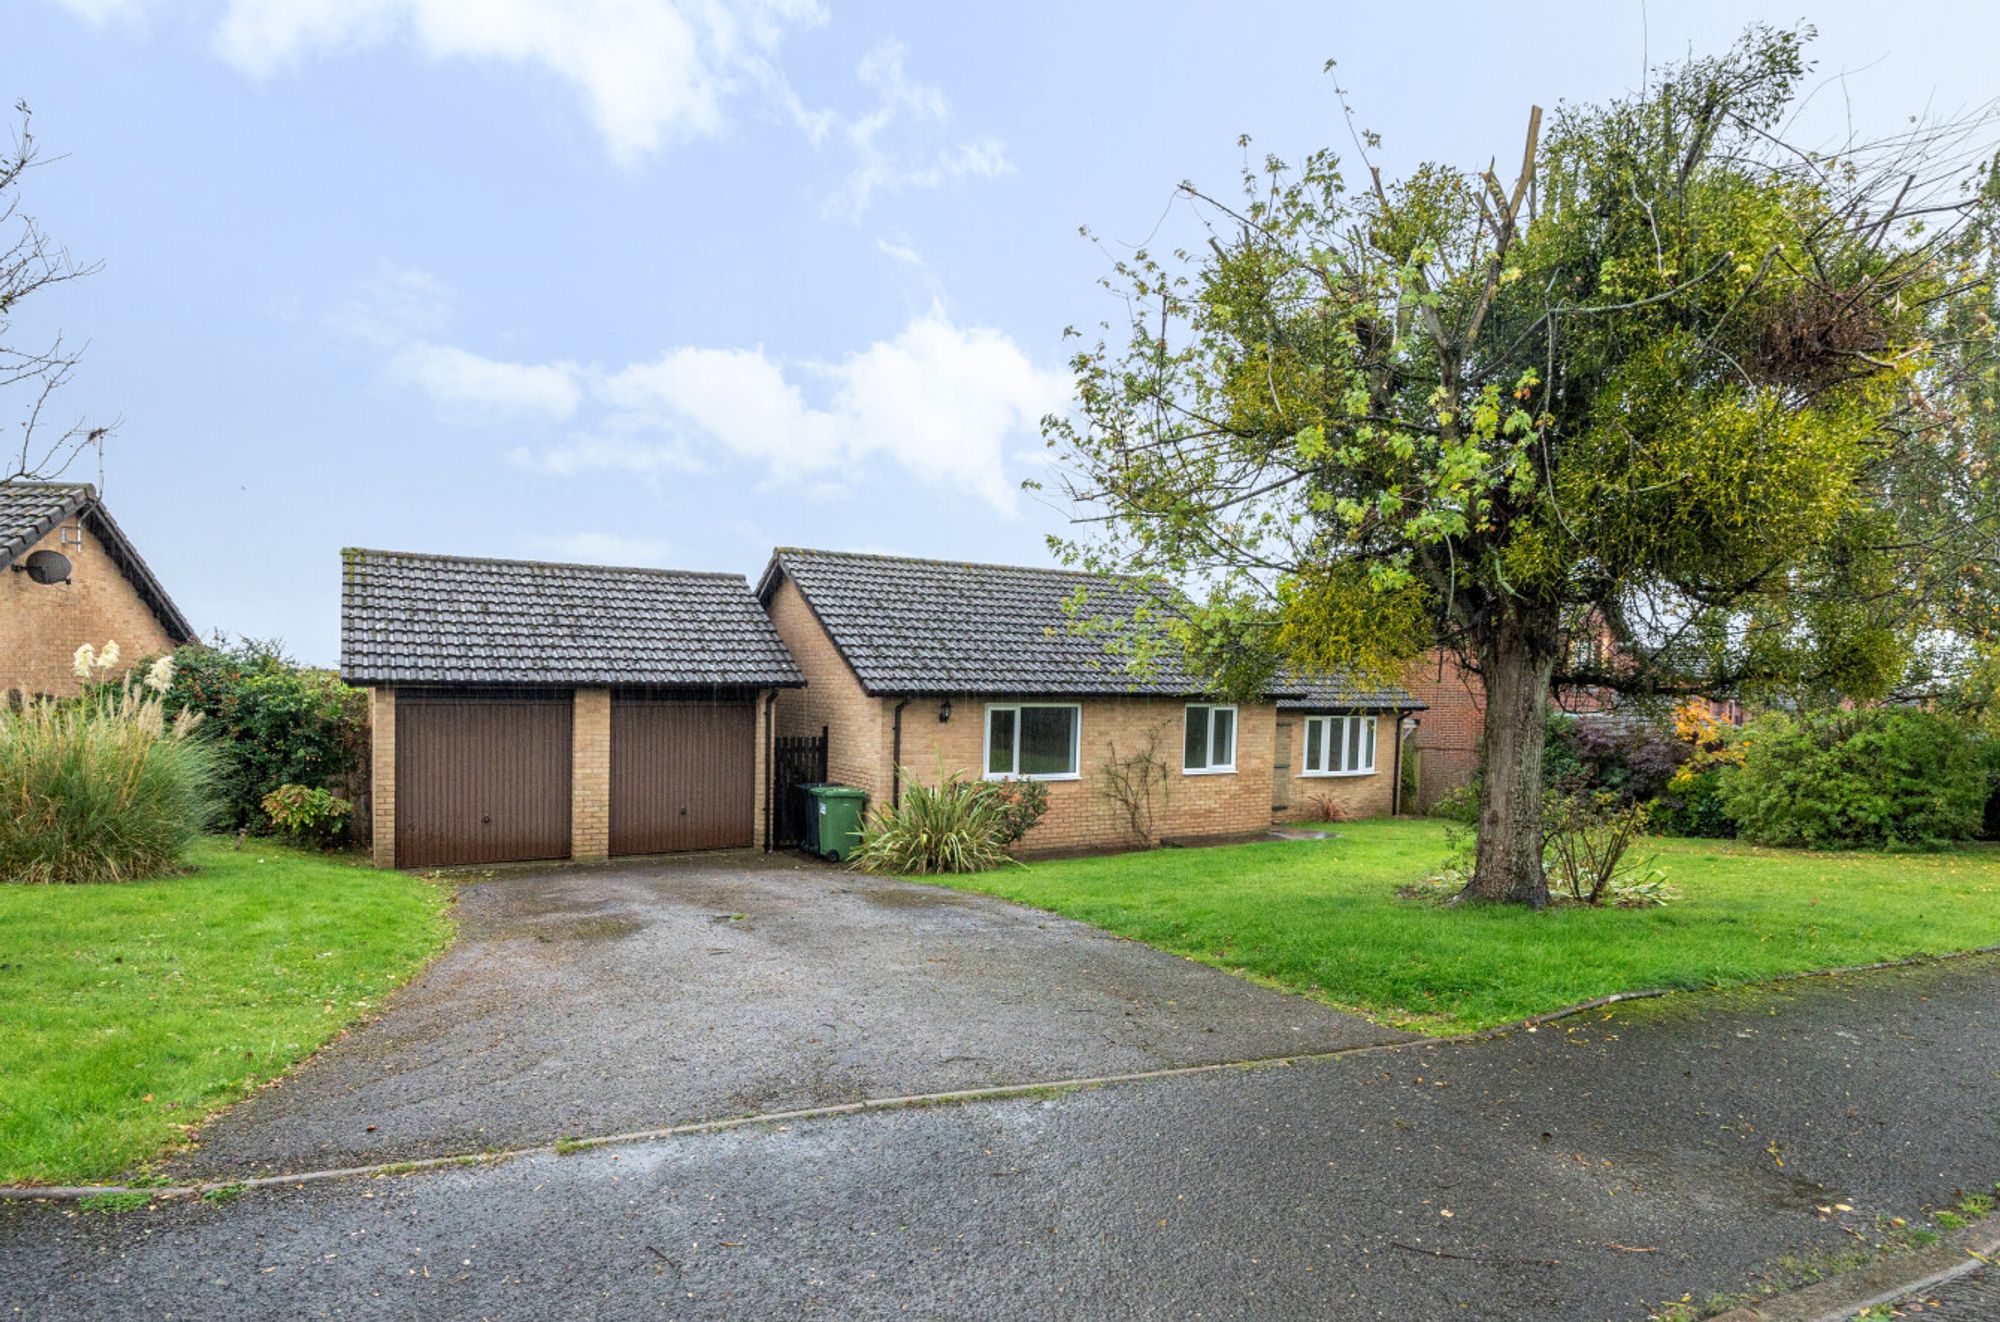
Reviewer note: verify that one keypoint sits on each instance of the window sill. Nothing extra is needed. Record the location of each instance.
(1334, 775)
(1208, 771)
(1008, 775)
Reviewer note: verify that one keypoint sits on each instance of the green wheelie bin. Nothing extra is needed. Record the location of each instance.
(834, 822)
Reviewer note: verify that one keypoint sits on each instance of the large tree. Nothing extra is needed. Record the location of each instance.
(1672, 383)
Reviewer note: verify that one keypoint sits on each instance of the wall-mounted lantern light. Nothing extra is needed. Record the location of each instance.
(944, 711)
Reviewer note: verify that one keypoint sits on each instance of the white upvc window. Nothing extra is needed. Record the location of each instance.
(1033, 741)
(1208, 740)
(1339, 746)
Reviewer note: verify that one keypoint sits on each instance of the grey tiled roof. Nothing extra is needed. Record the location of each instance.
(439, 619)
(30, 511)
(1337, 694)
(910, 626)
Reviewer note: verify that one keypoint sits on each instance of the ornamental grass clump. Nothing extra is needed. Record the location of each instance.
(104, 788)
(952, 826)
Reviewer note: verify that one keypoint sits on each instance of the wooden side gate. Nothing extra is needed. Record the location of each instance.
(482, 776)
(796, 761)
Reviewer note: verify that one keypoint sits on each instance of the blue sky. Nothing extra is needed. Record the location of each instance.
(666, 282)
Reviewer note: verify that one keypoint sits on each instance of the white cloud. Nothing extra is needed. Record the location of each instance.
(648, 70)
(607, 548)
(945, 403)
(615, 452)
(97, 13)
(461, 381)
(396, 307)
(939, 400)
(879, 168)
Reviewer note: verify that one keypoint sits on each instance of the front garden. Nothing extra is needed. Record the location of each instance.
(1326, 918)
(135, 1010)
(150, 973)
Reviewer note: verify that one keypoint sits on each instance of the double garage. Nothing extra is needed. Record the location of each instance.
(490, 776)
(484, 754)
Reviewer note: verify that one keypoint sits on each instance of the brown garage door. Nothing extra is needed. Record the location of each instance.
(481, 777)
(683, 774)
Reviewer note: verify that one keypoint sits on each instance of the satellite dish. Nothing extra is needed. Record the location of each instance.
(47, 566)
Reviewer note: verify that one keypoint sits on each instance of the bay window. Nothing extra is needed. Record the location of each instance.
(1339, 746)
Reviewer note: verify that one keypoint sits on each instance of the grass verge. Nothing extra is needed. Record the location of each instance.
(135, 1010)
(1323, 917)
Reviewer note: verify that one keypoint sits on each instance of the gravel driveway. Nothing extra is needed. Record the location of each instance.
(586, 1000)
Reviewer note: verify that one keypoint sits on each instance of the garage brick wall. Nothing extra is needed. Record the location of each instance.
(590, 774)
(41, 625)
(382, 774)
(1080, 815)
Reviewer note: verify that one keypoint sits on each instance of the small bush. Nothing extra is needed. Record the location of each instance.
(1694, 804)
(1883, 776)
(1017, 806)
(1587, 840)
(1327, 808)
(952, 826)
(1458, 805)
(310, 816)
(105, 788)
(1633, 759)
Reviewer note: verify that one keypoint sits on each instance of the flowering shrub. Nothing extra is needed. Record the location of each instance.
(1017, 806)
(309, 815)
(103, 788)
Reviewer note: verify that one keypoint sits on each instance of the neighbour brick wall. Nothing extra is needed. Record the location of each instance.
(1353, 796)
(590, 773)
(1448, 735)
(1450, 732)
(856, 724)
(1080, 815)
(382, 774)
(42, 625)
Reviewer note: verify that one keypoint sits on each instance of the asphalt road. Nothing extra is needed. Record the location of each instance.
(596, 1000)
(1588, 1170)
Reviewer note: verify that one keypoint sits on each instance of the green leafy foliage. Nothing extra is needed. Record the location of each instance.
(1880, 776)
(309, 815)
(273, 721)
(1673, 383)
(1694, 804)
(953, 825)
(101, 788)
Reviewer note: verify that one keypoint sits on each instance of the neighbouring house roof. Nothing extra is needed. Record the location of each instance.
(909, 626)
(30, 511)
(1336, 694)
(442, 619)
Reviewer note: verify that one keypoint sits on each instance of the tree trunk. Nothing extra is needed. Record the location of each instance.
(1508, 862)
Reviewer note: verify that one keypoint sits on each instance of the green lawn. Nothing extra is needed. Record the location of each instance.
(131, 1011)
(1324, 918)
